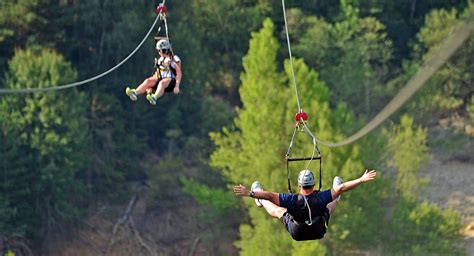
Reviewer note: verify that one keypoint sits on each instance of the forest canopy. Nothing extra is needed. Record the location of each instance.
(65, 153)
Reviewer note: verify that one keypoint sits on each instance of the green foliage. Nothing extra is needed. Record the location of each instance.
(164, 177)
(27, 23)
(260, 79)
(470, 110)
(308, 248)
(215, 113)
(352, 56)
(408, 152)
(54, 144)
(416, 228)
(264, 237)
(253, 149)
(254, 146)
(111, 156)
(423, 229)
(403, 19)
(450, 89)
(219, 32)
(8, 212)
(9, 13)
(47, 131)
(221, 201)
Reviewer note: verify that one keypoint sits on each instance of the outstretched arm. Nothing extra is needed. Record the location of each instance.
(270, 196)
(346, 186)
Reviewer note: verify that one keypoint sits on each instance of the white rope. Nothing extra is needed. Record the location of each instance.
(291, 57)
(310, 222)
(66, 86)
(448, 48)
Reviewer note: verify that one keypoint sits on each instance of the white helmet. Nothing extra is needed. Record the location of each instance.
(163, 44)
(305, 178)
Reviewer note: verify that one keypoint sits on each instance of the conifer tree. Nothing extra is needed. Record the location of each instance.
(451, 87)
(254, 148)
(409, 152)
(44, 138)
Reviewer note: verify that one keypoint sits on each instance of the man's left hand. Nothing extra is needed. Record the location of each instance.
(176, 90)
(368, 176)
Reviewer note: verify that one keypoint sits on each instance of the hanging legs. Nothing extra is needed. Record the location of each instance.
(160, 90)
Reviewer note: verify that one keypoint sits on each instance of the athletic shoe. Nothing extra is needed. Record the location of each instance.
(151, 98)
(337, 182)
(257, 187)
(131, 93)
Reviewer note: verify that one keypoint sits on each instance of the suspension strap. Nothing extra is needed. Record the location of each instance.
(288, 174)
(320, 173)
(162, 11)
(301, 124)
(300, 117)
(288, 160)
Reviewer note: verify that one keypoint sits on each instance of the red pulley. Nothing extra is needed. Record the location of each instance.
(301, 115)
(161, 8)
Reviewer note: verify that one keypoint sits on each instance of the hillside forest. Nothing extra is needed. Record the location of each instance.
(86, 171)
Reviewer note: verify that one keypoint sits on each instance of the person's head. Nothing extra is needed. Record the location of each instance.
(306, 179)
(163, 46)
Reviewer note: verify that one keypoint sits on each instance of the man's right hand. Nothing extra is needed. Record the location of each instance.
(241, 190)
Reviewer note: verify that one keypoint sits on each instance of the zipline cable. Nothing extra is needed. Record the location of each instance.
(291, 57)
(458, 35)
(66, 86)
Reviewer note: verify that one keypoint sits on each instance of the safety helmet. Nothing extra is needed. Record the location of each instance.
(163, 44)
(305, 178)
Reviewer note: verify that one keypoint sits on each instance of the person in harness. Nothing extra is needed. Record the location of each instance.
(305, 215)
(166, 78)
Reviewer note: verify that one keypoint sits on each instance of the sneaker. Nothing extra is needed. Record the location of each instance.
(131, 93)
(257, 187)
(337, 182)
(151, 98)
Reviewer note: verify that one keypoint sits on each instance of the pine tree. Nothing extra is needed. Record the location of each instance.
(253, 149)
(409, 152)
(451, 87)
(44, 139)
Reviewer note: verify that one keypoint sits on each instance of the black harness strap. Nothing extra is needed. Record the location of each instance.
(289, 159)
(320, 174)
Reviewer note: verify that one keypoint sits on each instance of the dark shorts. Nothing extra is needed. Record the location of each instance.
(170, 87)
(302, 232)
